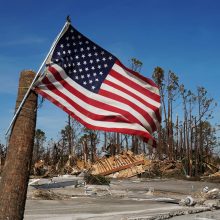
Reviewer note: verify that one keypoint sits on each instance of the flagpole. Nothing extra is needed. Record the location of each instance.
(38, 73)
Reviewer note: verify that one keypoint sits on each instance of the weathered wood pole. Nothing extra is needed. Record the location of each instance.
(15, 175)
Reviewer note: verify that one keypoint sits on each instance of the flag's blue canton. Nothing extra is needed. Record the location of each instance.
(84, 61)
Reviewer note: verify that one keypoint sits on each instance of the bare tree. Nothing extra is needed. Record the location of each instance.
(39, 141)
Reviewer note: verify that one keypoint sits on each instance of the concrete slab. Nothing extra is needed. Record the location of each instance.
(94, 208)
(128, 199)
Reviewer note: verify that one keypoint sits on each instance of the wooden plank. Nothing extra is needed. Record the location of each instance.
(136, 163)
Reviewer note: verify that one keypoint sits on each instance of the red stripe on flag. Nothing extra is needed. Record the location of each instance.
(146, 136)
(144, 102)
(135, 86)
(91, 101)
(110, 118)
(148, 81)
(130, 104)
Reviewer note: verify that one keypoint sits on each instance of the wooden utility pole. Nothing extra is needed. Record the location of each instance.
(15, 175)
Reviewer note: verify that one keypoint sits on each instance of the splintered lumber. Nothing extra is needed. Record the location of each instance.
(125, 165)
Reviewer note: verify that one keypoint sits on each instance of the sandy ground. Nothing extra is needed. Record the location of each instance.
(123, 199)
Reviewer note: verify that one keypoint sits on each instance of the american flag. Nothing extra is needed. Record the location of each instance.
(95, 88)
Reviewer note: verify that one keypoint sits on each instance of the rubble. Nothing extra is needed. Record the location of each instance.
(207, 198)
(79, 167)
(212, 194)
(171, 169)
(123, 165)
(212, 203)
(205, 189)
(188, 201)
(40, 168)
(215, 177)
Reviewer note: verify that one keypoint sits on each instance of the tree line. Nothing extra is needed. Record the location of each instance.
(186, 132)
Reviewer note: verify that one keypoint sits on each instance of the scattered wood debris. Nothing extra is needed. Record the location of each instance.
(166, 168)
(215, 177)
(78, 167)
(123, 165)
(171, 168)
(40, 168)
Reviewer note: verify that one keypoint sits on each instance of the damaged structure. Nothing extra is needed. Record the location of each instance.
(123, 165)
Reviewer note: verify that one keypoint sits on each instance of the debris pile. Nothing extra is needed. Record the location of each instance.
(78, 167)
(188, 201)
(40, 168)
(166, 168)
(215, 177)
(210, 194)
(123, 165)
(207, 197)
(171, 168)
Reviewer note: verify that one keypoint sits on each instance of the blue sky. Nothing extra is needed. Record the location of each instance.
(182, 36)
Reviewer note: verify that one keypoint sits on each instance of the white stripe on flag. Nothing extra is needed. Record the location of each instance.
(131, 76)
(95, 96)
(101, 124)
(128, 97)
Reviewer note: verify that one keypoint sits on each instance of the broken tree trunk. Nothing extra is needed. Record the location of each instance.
(15, 175)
